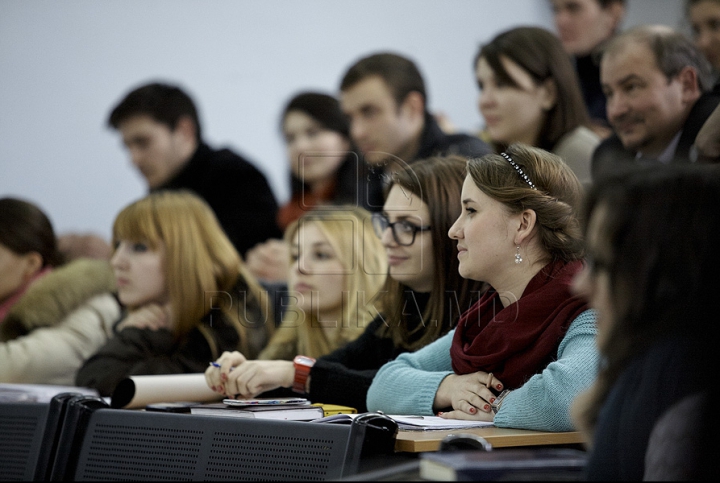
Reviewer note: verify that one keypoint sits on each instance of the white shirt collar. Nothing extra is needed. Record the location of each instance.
(667, 155)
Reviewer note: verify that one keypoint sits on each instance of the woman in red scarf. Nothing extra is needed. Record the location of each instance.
(519, 232)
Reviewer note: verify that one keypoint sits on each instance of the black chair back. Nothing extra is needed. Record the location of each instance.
(125, 444)
(22, 427)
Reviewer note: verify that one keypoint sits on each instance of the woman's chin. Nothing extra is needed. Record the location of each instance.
(467, 273)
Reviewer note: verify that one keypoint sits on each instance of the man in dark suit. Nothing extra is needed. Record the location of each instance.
(658, 88)
(160, 128)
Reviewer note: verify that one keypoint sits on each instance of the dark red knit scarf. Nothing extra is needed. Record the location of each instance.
(518, 341)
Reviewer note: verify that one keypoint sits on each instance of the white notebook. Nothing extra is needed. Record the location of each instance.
(287, 412)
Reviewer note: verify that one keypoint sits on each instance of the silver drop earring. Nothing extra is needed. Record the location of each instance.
(518, 258)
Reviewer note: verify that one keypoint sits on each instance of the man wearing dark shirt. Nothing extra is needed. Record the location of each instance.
(161, 131)
(384, 97)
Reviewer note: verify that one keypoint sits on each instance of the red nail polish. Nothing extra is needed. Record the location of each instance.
(492, 400)
(486, 408)
(472, 410)
(223, 377)
(499, 386)
(440, 413)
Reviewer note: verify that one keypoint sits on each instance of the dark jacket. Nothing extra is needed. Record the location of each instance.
(433, 142)
(237, 192)
(136, 351)
(651, 383)
(588, 72)
(148, 352)
(610, 156)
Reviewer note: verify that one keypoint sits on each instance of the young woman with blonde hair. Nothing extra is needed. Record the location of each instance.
(336, 269)
(186, 293)
(421, 300)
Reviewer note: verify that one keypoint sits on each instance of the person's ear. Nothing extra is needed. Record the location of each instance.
(186, 128)
(527, 221)
(689, 83)
(548, 91)
(33, 263)
(414, 104)
(616, 12)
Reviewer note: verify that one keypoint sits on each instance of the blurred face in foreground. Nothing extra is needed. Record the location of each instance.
(593, 283)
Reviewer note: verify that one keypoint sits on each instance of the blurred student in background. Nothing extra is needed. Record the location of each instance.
(583, 27)
(52, 315)
(658, 86)
(160, 128)
(421, 299)
(384, 96)
(529, 94)
(323, 171)
(186, 293)
(704, 17)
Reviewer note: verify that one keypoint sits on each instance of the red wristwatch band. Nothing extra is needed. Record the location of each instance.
(302, 364)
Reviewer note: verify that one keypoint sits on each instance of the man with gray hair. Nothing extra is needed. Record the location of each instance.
(657, 85)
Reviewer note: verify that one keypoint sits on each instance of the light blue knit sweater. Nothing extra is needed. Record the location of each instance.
(408, 384)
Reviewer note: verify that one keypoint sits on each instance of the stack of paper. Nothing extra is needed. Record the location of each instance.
(413, 423)
(295, 409)
(424, 423)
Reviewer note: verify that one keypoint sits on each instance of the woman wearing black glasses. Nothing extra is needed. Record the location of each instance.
(422, 299)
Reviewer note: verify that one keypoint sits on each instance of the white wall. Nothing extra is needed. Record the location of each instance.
(64, 64)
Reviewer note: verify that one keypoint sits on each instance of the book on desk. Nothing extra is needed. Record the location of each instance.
(295, 410)
(299, 411)
(412, 423)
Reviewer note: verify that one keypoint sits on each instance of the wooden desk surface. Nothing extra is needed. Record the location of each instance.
(417, 441)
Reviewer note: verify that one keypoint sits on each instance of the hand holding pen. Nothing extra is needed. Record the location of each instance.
(216, 375)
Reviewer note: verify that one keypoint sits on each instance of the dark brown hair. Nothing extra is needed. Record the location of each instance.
(438, 182)
(540, 53)
(399, 73)
(164, 103)
(661, 230)
(24, 228)
(325, 110)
